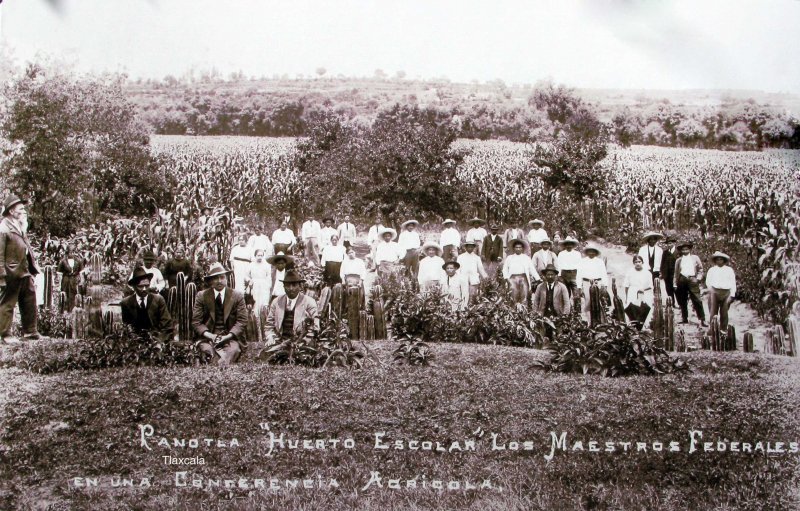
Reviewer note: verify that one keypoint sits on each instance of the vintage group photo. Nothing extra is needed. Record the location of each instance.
(355, 255)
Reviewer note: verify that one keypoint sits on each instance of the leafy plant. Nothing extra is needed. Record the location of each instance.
(316, 347)
(412, 351)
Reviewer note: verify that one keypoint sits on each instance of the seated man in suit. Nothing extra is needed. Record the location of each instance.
(145, 311)
(288, 313)
(219, 318)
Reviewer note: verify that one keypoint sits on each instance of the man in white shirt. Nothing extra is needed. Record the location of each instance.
(283, 239)
(455, 286)
(688, 275)
(471, 269)
(536, 234)
(651, 253)
(544, 256)
(347, 232)
(240, 259)
(592, 270)
(388, 253)
(477, 233)
(373, 237)
(568, 261)
(326, 233)
(260, 241)
(353, 271)
(450, 240)
(409, 243)
(430, 267)
(518, 270)
(721, 284)
(279, 263)
(310, 233)
(157, 283)
(511, 234)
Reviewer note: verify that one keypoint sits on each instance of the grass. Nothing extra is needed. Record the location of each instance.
(85, 423)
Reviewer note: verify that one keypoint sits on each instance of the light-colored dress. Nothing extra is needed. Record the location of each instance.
(259, 276)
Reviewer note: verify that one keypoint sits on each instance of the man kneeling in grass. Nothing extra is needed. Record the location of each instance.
(219, 318)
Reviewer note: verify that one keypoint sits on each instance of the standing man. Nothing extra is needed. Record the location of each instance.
(544, 256)
(688, 274)
(721, 284)
(409, 243)
(569, 260)
(374, 237)
(347, 232)
(592, 270)
(477, 233)
(471, 269)
(240, 259)
(17, 271)
(326, 233)
(259, 241)
(219, 318)
(518, 270)
(287, 314)
(455, 286)
(283, 238)
(651, 253)
(450, 240)
(536, 235)
(70, 269)
(552, 298)
(668, 268)
(145, 311)
(511, 234)
(310, 233)
(388, 253)
(492, 252)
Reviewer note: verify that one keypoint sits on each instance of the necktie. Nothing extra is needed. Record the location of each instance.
(142, 304)
(219, 300)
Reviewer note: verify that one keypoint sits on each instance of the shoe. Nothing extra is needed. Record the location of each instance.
(684, 322)
(703, 324)
(32, 337)
(11, 340)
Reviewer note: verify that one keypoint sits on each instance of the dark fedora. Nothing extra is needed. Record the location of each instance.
(451, 263)
(11, 201)
(550, 268)
(685, 243)
(148, 255)
(139, 273)
(292, 277)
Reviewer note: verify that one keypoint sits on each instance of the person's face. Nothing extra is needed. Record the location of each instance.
(387, 237)
(377, 220)
(18, 211)
(547, 246)
(536, 227)
(347, 218)
(410, 227)
(637, 264)
(148, 263)
(219, 282)
(494, 230)
(260, 256)
(469, 248)
(334, 240)
(518, 248)
(719, 261)
(451, 270)
(284, 225)
(328, 224)
(652, 241)
(180, 253)
(141, 288)
(591, 254)
(685, 250)
(280, 265)
(550, 276)
(292, 289)
(351, 254)
(431, 252)
(242, 242)
(258, 231)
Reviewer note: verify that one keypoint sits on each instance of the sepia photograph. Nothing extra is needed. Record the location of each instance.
(421, 255)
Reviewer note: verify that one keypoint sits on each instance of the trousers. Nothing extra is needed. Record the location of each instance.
(22, 291)
(687, 290)
(224, 356)
(520, 288)
(718, 302)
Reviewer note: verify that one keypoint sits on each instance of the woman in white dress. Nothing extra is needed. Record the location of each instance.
(259, 280)
(332, 257)
(639, 292)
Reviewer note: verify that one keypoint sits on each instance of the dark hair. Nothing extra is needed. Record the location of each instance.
(637, 256)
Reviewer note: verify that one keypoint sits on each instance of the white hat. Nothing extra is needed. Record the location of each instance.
(389, 230)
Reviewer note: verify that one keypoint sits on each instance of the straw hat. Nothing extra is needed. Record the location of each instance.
(280, 255)
(536, 221)
(432, 244)
(569, 240)
(389, 230)
(546, 240)
(476, 220)
(652, 234)
(722, 255)
(684, 243)
(592, 247)
(448, 221)
(448, 263)
(409, 222)
(525, 244)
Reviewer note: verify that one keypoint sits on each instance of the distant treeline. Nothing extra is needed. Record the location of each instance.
(180, 108)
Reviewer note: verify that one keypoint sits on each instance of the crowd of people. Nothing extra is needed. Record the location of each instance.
(543, 274)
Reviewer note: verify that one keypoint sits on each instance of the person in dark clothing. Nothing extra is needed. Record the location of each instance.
(70, 268)
(668, 268)
(178, 264)
(145, 311)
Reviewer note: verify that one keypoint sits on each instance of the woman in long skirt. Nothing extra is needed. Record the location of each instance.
(70, 268)
(259, 280)
(332, 257)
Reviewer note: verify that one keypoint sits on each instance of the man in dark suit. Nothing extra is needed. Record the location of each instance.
(492, 251)
(17, 271)
(145, 311)
(668, 268)
(219, 318)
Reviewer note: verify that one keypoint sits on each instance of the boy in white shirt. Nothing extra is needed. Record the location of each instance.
(450, 240)
(471, 269)
(430, 267)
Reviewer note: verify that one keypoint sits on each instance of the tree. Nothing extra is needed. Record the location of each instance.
(81, 151)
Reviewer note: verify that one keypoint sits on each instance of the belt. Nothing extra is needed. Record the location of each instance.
(242, 259)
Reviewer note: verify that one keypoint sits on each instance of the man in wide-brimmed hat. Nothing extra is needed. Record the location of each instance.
(450, 240)
(145, 311)
(592, 271)
(568, 261)
(721, 284)
(476, 233)
(410, 242)
(455, 286)
(157, 283)
(651, 253)
(492, 251)
(471, 269)
(388, 253)
(288, 313)
(536, 234)
(280, 262)
(688, 275)
(552, 298)
(430, 267)
(518, 270)
(512, 233)
(18, 270)
(219, 318)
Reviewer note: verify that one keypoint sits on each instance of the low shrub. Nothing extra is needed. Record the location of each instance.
(412, 351)
(322, 346)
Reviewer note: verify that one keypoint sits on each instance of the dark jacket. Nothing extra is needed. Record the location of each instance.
(492, 250)
(234, 313)
(668, 266)
(16, 254)
(157, 311)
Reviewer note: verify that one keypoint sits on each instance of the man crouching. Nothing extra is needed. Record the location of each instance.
(219, 318)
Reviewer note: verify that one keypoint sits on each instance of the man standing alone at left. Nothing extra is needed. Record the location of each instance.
(17, 271)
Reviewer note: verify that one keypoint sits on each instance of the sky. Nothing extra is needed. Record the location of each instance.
(629, 44)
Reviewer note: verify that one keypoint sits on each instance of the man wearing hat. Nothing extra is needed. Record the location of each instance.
(326, 233)
(492, 251)
(219, 318)
(651, 253)
(430, 267)
(145, 311)
(450, 240)
(279, 262)
(388, 253)
(477, 233)
(511, 234)
(536, 235)
(455, 286)
(688, 275)
(288, 313)
(157, 282)
(518, 270)
(310, 233)
(544, 256)
(471, 268)
(721, 284)
(568, 261)
(409, 243)
(17, 271)
(552, 298)
(668, 268)
(592, 270)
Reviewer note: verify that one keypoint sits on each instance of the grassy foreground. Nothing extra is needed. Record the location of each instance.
(86, 424)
